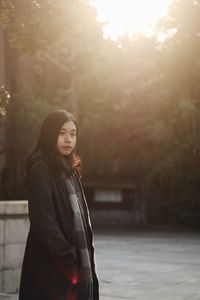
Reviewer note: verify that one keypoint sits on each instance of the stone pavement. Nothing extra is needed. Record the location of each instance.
(147, 266)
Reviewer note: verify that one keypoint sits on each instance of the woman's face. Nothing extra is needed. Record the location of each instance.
(67, 138)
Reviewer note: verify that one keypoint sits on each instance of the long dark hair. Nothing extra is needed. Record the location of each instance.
(46, 145)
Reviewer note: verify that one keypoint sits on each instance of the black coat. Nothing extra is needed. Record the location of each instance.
(50, 259)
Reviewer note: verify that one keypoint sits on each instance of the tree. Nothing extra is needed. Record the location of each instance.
(60, 36)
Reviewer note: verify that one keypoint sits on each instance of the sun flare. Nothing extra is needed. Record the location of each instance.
(128, 17)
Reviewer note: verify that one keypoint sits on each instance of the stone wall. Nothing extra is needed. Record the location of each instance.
(14, 225)
(112, 218)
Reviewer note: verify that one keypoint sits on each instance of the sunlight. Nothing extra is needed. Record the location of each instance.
(128, 17)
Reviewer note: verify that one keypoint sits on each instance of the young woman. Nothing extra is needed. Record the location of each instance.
(59, 260)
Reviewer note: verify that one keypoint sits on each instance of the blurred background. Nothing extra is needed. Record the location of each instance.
(130, 73)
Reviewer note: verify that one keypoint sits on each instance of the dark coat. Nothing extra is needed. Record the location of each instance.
(51, 258)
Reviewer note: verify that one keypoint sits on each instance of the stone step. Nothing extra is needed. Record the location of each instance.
(8, 296)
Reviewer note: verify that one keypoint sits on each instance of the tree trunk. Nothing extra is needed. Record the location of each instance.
(11, 187)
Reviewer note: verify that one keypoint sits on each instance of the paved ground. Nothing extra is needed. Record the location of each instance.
(147, 266)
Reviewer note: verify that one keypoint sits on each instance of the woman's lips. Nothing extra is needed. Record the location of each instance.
(67, 148)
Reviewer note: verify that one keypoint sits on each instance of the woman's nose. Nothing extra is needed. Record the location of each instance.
(67, 138)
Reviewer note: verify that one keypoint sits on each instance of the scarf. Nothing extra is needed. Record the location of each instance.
(80, 220)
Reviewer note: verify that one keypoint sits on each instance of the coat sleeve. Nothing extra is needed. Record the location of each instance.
(42, 218)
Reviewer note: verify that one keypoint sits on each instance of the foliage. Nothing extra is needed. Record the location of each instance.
(4, 100)
(137, 100)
